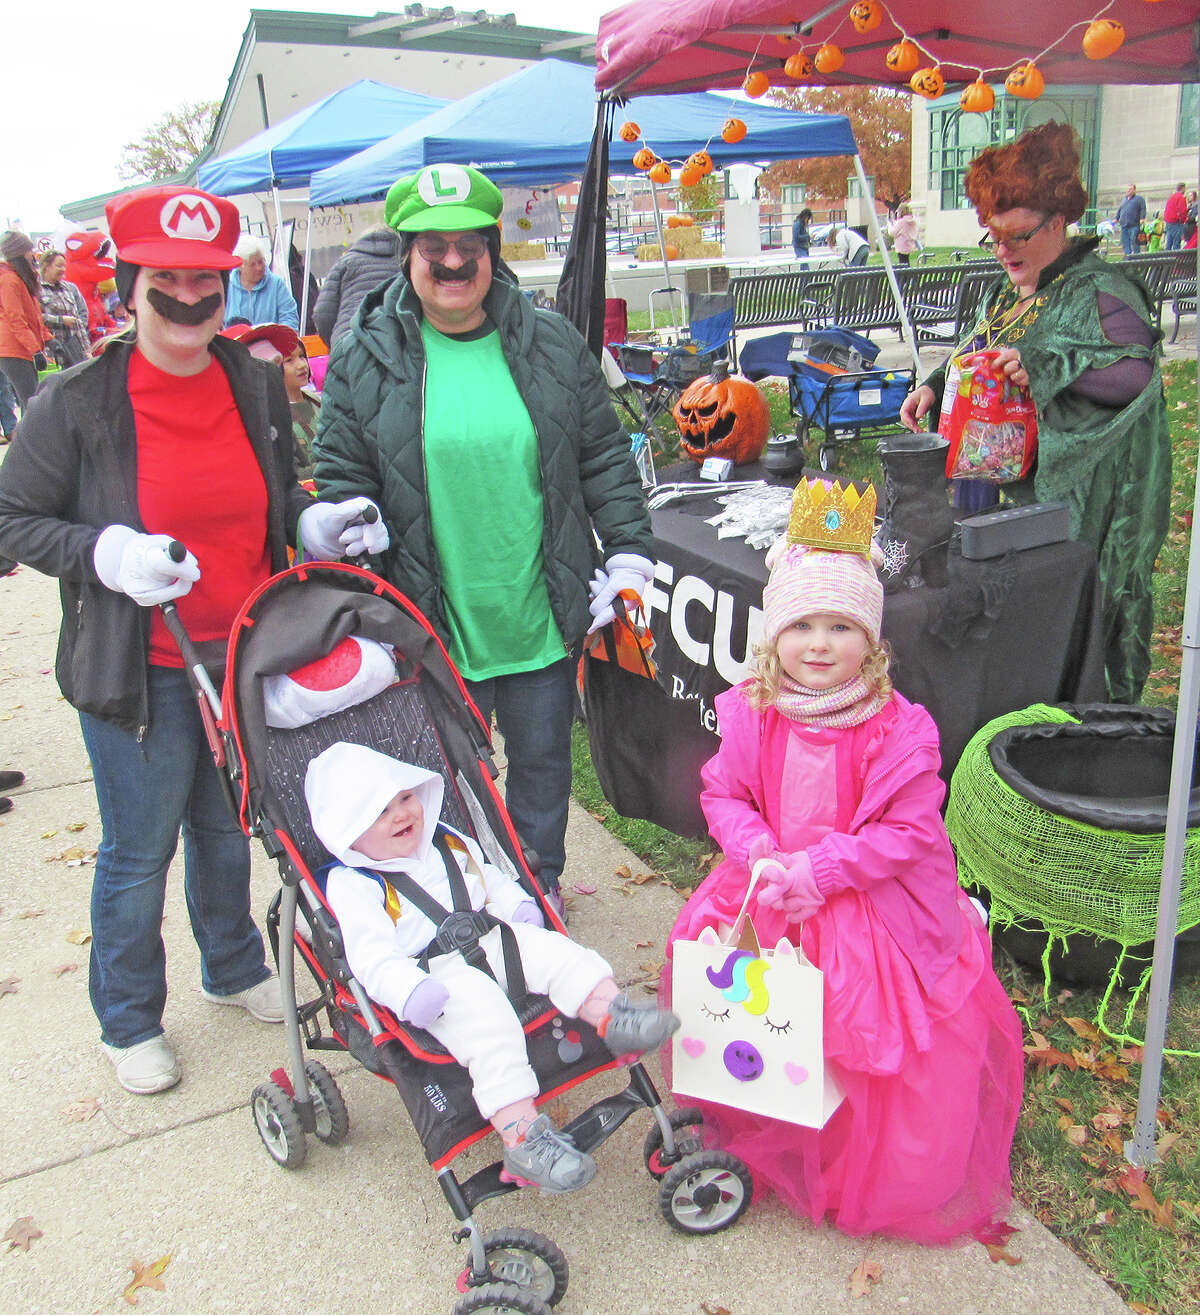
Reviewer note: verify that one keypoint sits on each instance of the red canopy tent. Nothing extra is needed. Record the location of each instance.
(653, 46)
(664, 46)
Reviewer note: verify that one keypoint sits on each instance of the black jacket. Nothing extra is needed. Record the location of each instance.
(372, 260)
(72, 471)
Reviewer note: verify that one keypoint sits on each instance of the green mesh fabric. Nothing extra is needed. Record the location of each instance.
(1037, 866)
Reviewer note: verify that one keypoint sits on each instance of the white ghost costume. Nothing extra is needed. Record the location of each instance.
(347, 787)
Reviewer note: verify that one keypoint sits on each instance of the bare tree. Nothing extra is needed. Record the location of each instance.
(170, 145)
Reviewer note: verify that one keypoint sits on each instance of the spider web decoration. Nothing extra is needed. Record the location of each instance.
(895, 557)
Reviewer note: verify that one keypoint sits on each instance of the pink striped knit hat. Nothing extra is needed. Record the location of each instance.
(807, 580)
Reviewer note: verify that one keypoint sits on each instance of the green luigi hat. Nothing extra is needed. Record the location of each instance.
(443, 198)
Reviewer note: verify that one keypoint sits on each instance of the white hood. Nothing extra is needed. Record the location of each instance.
(348, 786)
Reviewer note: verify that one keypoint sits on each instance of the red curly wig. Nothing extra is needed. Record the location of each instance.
(1038, 171)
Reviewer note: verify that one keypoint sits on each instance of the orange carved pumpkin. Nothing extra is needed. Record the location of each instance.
(829, 58)
(904, 57)
(866, 15)
(660, 172)
(629, 131)
(798, 65)
(680, 221)
(1102, 38)
(722, 415)
(733, 131)
(1025, 81)
(703, 161)
(644, 158)
(689, 175)
(928, 82)
(977, 97)
(756, 85)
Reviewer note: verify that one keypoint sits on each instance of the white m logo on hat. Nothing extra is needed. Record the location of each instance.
(444, 184)
(190, 216)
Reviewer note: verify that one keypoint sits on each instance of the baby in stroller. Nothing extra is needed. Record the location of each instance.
(429, 925)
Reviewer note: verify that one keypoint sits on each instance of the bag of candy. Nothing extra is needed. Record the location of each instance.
(990, 422)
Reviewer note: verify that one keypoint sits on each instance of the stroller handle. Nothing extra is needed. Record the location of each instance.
(201, 680)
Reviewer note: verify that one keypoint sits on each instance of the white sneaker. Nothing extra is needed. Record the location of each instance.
(148, 1067)
(262, 1000)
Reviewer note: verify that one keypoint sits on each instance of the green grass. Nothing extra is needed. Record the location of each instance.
(1081, 1093)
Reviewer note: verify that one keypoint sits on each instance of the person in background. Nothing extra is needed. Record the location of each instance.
(172, 435)
(1130, 214)
(23, 334)
(847, 244)
(64, 312)
(257, 295)
(9, 781)
(483, 428)
(279, 345)
(8, 409)
(801, 237)
(1082, 337)
(904, 234)
(1175, 215)
(372, 258)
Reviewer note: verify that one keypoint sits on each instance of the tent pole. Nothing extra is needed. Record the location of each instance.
(906, 327)
(304, 286)
(278, 227)
(1141, 1148)
(662, 246)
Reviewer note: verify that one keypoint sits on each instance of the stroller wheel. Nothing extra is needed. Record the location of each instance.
(652, 1151)
(278, 1125)
(500, 1299)
(826, 456)
(527, 1259)
(705, 1192)
(329, 1109)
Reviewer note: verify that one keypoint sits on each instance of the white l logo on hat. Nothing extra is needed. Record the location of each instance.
(190, 216)
(443, 184)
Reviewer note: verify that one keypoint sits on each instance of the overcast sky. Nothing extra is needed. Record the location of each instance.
(92, 76)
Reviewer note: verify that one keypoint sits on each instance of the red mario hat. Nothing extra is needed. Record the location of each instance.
(174, 228)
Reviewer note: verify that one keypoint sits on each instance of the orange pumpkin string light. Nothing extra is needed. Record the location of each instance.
(756, 84)
(690, 174)
(928, 82)
(733, 131)
(866, 15)
(904, 57)
(1103, 37)
(829, 58)
(644, 159)
(660, 172)
(1025, 81)
(977, 97)
(798, 65)
(629, 131)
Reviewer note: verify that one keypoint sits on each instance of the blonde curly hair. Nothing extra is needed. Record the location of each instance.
(765, 672)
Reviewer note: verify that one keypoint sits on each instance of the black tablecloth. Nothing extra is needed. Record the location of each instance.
(995, 637)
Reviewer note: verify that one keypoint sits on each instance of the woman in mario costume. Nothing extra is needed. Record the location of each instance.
(173, 433)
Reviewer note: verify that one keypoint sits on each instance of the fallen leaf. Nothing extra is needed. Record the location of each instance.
(78, 937)
(30, 913)
(1108, 1117)
(21, 1232)
(1166, 1144)
(998, 1252)
(643, 877)
(584, 888)
(1063, 1103)
(1106, 1217)
(145, 1276)
(1076, 1134)
(79, 1111)
(1111, 1072)
(76, 826)
(49, 835)
(1133, 1182)
(1081, 1027)
(713, 1310)
(9, 986)
(642, 945)
(1114, 1142)
(1047, 1057)
(864, 1276)
(996, 1232)
(64, 968)
(623, 872)
(1039, 1040)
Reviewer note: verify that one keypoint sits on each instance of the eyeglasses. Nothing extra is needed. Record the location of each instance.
(1013, 241)
(433, 247)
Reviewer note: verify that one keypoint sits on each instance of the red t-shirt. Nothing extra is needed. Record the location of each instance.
(198, 481)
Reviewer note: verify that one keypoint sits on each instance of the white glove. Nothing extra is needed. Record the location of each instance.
(330, 530)
(140, 565)
(624, 571)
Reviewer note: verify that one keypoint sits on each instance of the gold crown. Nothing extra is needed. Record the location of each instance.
(831, 517)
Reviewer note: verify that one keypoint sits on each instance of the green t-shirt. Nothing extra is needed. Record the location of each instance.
(485, 495)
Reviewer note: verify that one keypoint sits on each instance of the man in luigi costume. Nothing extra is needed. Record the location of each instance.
(484, 430)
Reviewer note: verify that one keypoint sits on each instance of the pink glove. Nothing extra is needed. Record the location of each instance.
(791, 888)
(528, 912)
(425, 1003)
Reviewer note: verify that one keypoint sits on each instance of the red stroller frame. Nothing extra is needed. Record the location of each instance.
(428, 718)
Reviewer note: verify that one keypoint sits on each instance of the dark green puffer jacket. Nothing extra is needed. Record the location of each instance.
(370, 442)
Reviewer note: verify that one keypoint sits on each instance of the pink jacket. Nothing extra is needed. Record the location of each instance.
(893, 845)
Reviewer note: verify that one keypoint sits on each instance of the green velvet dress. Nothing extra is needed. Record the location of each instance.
(1111, 466)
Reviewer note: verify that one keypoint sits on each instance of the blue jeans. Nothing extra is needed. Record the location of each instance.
(8, 405)
(1174, 237)
(146, 792)
(534, 711)
(1129, 243)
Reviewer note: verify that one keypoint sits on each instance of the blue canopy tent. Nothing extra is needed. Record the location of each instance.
(286, 155)
(320, 135)
(536, 126)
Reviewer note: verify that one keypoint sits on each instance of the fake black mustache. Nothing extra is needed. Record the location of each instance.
(179, 312)
(463, 274)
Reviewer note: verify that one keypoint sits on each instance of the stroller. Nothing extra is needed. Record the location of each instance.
(427, 718)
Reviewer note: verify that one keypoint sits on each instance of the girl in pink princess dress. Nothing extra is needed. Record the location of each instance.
(827, 770)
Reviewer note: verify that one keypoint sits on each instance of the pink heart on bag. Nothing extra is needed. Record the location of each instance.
(693, 1046)
(796, 1073)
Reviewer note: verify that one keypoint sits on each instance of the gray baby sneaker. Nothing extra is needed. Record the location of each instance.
(634, 1029)
(548, 1159)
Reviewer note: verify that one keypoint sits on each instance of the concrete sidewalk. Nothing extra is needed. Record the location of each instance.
(362, 1227)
